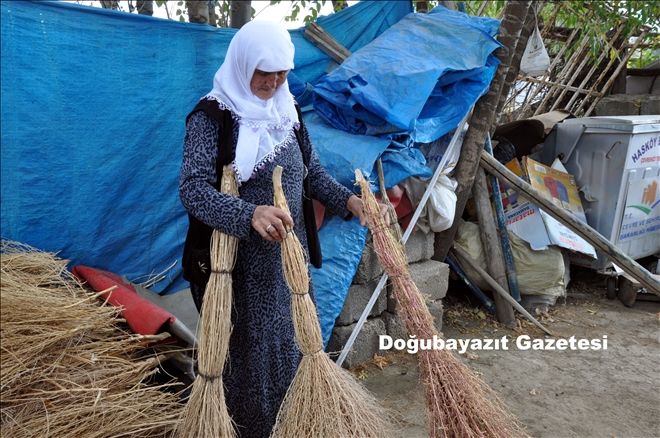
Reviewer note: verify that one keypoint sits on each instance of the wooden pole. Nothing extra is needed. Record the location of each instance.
(575, 74)
(564, 74)
(540, 84)
(594, 67)
(509, 264)
(583, 230)
(623, 63)
(463, 255)
(492, 248)
(559, 85)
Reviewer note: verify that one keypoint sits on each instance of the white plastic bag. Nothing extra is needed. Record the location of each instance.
(535, 61)
(438, 213)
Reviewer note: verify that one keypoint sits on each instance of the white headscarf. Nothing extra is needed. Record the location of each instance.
(263, 124)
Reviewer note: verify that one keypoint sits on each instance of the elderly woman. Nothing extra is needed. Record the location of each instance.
(249, 119)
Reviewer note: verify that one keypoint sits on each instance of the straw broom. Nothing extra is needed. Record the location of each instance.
(68, 369)
(459, 403)
(323, 400)
(206, 413)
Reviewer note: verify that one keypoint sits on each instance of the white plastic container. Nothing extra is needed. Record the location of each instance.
(616, 165)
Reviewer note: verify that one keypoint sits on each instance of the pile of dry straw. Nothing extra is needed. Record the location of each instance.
(68, 369)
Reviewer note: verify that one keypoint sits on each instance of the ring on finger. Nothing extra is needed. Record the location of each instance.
(269, 227)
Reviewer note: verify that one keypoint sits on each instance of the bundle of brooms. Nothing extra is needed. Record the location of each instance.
(206, 413)
(459, 403)
(323, 400)
(68, 368)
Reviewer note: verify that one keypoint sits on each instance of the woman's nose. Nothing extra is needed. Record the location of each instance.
(272, 79)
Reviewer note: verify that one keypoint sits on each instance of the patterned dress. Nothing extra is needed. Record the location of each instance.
(263, 356)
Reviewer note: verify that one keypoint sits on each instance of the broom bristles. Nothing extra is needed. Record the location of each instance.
(323, 400)
(458, 402)
(206, 413)
(326, 401)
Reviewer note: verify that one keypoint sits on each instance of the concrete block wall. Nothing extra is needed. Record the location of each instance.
(431, 278)
(628, 105)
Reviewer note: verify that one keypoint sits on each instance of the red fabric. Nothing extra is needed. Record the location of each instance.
(402, 205)
(142, 316)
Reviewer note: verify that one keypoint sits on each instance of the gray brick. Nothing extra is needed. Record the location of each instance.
(618, 105)
(419, 246)
(365, 346)
(431, 278)
(357, 299)
(369, 268)
(395, 327)
(650, 105)
(437, 310)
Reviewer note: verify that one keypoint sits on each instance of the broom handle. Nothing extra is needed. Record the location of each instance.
(404, 239)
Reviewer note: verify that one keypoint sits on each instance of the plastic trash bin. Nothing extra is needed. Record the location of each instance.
(616, 165)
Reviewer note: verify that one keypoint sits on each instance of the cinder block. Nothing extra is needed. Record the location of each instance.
(618, 105)
(395, 327)
(437, 310)
(419, 246)
(369, 267)
(357, 299)
(431, 278)
(650, 105)
(365, 346)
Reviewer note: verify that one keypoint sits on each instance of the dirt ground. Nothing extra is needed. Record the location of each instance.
(610, 393)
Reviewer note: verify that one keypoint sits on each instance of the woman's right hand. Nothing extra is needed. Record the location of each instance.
(271, 222)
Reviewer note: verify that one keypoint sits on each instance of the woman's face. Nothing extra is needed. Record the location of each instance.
(264, 84)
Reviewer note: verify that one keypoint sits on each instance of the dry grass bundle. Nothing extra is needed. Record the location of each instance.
(68, 370)
(459, 403)
(206, 413)
(323, 400)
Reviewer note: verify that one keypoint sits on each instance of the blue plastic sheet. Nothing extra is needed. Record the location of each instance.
(419, 77)
(341, 243)
(93, 109)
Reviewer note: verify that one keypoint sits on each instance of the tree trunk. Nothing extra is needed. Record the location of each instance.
(198, 11)
(482, 119)
(145, 7)
(240, 12)
(421, 6)
(521, 44)
(213, 17)
(110, 4)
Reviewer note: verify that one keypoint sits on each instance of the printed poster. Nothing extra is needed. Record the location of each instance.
(642, 212)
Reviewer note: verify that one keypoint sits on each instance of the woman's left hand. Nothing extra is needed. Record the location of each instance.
(356, 206)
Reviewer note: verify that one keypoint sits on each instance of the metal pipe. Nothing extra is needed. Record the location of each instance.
(478, 294)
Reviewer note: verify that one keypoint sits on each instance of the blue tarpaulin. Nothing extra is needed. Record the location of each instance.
(420, 77)
(93, 109)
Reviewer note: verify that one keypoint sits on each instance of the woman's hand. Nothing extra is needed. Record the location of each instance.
(355, 206)
(271, 222)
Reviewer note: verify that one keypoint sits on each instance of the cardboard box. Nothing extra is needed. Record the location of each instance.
(532, 224)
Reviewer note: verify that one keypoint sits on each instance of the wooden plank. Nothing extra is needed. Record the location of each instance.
(592, 236)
